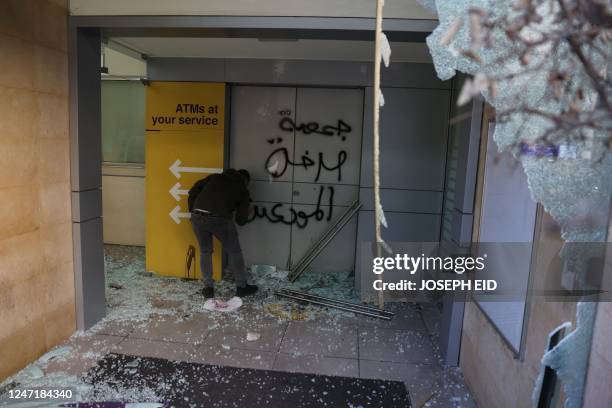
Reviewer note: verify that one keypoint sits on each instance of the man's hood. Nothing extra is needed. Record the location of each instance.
(233, 174)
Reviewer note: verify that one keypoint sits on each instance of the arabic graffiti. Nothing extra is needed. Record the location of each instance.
(298, 218)
(288, 125)
(280, 159)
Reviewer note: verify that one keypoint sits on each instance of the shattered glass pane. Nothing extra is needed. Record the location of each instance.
(570, 175)
(575, 185)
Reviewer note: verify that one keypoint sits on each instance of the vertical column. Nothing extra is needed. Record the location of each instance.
(465, 188)
(461, 209)
(86, 180)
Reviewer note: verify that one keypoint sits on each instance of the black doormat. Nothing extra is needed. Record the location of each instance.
(182, 384)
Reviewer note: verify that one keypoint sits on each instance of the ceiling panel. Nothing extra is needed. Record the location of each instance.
(272, 49)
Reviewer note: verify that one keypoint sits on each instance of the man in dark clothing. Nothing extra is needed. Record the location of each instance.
(212, 202)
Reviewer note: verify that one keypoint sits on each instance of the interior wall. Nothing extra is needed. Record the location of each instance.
(123, 204)
(318, 197)
(123, 121)
(312, 8)
(123, 151)
(121, 65)
(415, 119)
(37, 295)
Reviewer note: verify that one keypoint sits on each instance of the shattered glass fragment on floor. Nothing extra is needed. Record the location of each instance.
(168, 314)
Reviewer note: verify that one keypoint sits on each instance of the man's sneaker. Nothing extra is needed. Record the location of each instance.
(208, 293)
(245, 290)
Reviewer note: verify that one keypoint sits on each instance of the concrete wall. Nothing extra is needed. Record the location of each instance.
(312, 8)
(37, 296)
(123, 204)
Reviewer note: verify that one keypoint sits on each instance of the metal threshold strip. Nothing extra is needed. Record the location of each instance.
(336, 304)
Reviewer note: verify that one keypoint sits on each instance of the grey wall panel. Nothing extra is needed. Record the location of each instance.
(186, 69)
(403, 200)
(336, 155)
(255, 136)
(86, 205)
(257, 143)
(265, 242)
(339, 255)
(270, 23)
(413, 138)
(411, 75)
(295, 72)
(85, 175)
(276, 192)
(365, 276)
(468, 149)
(461, 230)
(90, 282)
(331, 194)
(451, 327)
(402, 227)
(270, 128)
(85, 105)
(292, 72)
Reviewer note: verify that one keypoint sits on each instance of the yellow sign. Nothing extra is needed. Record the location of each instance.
(185, 137)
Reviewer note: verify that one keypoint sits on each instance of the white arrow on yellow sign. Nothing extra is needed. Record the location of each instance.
(176, 214)
(176, 169)
(177, 192)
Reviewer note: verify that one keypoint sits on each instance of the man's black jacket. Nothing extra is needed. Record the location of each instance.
(221, 195)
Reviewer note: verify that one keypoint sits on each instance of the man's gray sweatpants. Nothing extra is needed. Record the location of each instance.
(205, 226)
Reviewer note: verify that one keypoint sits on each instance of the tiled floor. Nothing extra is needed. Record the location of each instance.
(402, 349)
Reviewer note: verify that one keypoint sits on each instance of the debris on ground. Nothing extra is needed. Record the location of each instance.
(252, 336)
(148, 298)
(220, 305)
(55, 353)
